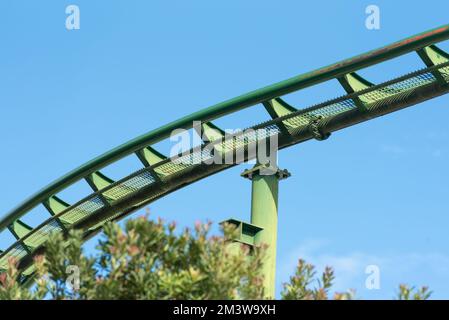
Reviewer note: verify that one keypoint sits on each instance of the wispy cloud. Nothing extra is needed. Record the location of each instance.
(413, 268)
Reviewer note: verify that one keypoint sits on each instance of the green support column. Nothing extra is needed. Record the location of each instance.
(264, 213)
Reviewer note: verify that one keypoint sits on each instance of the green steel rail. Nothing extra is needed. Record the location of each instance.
(113, 200)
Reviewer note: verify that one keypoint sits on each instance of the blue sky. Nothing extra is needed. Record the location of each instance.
(376, 193)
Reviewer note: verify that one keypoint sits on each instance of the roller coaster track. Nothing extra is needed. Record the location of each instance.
(160, 175)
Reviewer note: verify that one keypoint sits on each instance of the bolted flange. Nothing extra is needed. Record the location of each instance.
(265, 170)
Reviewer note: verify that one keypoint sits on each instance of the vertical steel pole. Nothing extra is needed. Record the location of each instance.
(264, 214)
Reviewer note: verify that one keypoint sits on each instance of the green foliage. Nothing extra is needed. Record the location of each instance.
(411, 293)
(152, 260)
(10, 289)
(146, 260)
(300, 285)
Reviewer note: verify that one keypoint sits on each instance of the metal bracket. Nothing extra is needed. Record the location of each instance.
(314, 128)
(246, 232)
(265, 170)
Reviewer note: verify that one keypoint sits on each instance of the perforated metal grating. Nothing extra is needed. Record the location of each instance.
(87, 207)
(42, 234)
(130, 186)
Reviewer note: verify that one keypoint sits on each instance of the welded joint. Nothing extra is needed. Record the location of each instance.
(27, 248)
(425, 57)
